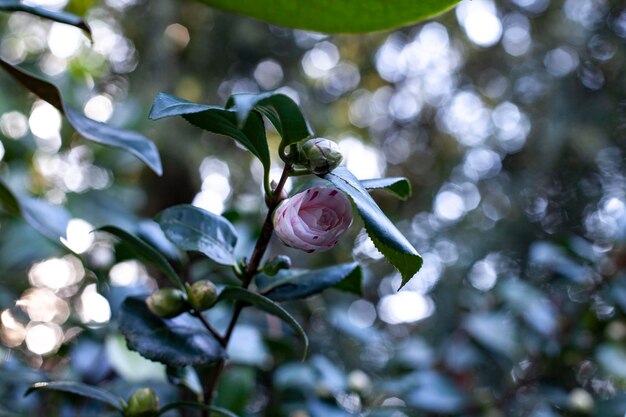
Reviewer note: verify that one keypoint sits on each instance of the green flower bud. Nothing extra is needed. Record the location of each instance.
(202, 295)
(143, 403)
(168, 303)
(276, 264)
(321, 155)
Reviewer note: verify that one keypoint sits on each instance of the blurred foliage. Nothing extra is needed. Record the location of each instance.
(507, 118)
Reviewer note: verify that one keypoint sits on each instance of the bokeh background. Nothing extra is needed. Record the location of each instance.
(509, 120)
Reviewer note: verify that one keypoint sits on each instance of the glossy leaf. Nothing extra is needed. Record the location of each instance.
(175, 342)
(139, 145)
(280, 110)
(399, 186)
(48, 219)
(200, 406)
(144, 252)
(386, 237)
(61, 17)
(330, 16)
(290, 284)
(267, 305)
(216, 120)
(192, 228)
(186, 377)
(77, 388)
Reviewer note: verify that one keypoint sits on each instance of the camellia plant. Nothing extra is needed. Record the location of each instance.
(173, 325)
(170, 326)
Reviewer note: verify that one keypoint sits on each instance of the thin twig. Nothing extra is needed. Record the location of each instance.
(251, 270)
(210, 328)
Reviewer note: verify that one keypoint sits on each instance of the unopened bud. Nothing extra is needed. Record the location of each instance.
(202, 295)
(276, 264)
(143, 403)
(321, 155)
(167, 303)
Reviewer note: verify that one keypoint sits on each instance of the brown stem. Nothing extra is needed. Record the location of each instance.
(251, 270)
(210, 328)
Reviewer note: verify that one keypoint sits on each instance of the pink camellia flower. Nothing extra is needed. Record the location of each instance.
(314, 219)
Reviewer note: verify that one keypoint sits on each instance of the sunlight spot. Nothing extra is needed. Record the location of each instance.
(321, 59)
(362, 314)
(178, 34)
(480, 21)
(78, 236)
(449, 205)
(43, 305)
(405, 307)
(12, 332)
(56, 273)
(362, 160)
(128, 273)
(561, 61)
(43, 338)
(268, 74)
(483, 275)
(14, 125)
(94, 307)
(64, 41)
(44, 120)
(99, 108)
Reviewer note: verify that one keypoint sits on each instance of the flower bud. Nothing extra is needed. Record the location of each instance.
(313, 220)
(143, 403)
(167, 303)
(321, 155)
(276, 264)
(202, 295)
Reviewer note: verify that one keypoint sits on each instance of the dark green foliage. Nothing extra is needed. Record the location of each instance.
(177, 342)
(290, 284)
(193, 229)
(387, 238)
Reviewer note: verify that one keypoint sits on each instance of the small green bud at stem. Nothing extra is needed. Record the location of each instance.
(143, 403)
(202, 295)
(168, 303)
(276, 264)
(321, 155)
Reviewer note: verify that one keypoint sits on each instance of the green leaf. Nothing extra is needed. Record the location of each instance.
(61, 17)
(175, 342)
(144, 252)
(290, 284)
(77, 388)
(186, 377)
(331, 16)
(8, 200)
(133, 142)
(386, 237)
(216, 120)
(267, 305)
(48, 219)
(189, 404)
(280, 110)
(192, 228)
(399, 186)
